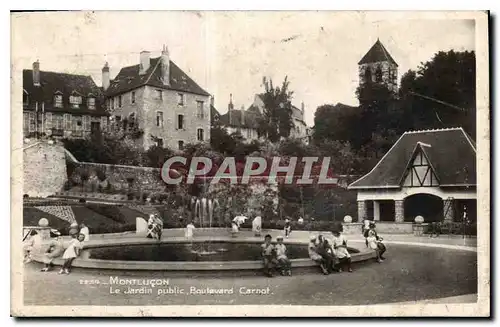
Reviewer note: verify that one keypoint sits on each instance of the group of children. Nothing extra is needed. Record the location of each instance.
(70, 251)
(330, 257)
(275, 257)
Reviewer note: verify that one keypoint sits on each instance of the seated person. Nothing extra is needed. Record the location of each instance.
(340, 247)
(375, 243)
(155, 227)
(325, 250)
(268, 255)
(315, 256)
(283, 261)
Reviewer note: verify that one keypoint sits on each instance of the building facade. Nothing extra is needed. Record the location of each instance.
(378, 66)
(430, 173)
(246, 121)
(160, 102)
(61, 105)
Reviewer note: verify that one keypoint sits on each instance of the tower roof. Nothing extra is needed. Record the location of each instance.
(377, 53)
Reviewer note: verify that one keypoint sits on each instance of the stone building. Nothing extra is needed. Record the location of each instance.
(377, 66)
(61, 105)
(246, 121)
(160, 100)
(431, 173)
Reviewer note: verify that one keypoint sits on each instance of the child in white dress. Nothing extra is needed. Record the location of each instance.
(283, 261)
(189, 231)
(71, 252)
(340, 247)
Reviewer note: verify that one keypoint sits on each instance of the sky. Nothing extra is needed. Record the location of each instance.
(230, 52)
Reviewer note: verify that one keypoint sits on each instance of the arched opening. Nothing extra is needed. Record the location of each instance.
(426, 205)
(368, 75)
(378, 75)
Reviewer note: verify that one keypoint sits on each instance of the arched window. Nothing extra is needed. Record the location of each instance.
(378, 75)
(368, 75)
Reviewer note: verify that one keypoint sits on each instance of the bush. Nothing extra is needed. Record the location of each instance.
(82, 200)
(130, 195)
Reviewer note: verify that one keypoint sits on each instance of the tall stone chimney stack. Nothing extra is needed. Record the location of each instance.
(36, 73)
(105, 76)
(144, 62)
(165, 66)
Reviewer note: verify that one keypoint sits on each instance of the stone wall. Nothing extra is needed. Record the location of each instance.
(126, 178)
(382, 228)
(44, 169)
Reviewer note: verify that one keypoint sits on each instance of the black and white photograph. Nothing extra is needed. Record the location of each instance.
(250, 163)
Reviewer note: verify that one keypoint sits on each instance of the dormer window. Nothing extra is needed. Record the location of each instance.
(75, 100)
(91, 102)
(180, 99)
(58, 100)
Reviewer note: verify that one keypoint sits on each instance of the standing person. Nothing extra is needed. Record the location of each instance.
(85, 231)
(288, 227)
(155, 227)
(257, 225)
(340, 247)
(29, 243)
(189, 231)
(281, 256)
(315, 256)
(73, 250)
(268, 255)
(366, 228)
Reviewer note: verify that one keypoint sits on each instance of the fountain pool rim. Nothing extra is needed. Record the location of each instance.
(84, 262)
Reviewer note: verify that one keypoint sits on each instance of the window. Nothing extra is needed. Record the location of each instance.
(67, 122)
(368, 75)
(158, 95)
(77, 123)
(159, 142)
(58, 121)
(58, 101)
(200, 134)
(131, 120)
(48, 121)
(159, 119)
(181, 145)
(119, 101)
(86, 123)
(180, 99)
(104, 122)
(91, 103)
(75, 100)
(118, 118)
(112, 103)
(378, 75)
(180, 121)
(132, 97)
(199, 107)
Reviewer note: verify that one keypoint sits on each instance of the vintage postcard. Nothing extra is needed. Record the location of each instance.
(250, 163)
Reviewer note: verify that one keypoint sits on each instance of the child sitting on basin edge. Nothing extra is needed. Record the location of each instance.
(268, 255)
(284, 263)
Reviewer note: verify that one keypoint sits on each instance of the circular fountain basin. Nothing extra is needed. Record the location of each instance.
(223, 253)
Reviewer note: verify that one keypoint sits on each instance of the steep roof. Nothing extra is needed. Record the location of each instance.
(251, 119)
(52, 82)
(377, 53)
(129, 78)
(451, 153)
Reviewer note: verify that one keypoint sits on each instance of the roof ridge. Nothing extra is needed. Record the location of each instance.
(61, 73)
(435, 130)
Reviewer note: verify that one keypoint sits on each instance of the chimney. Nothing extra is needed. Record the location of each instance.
(302, 106)
(144, 64)
(230, 108)
(242, 115)
(212, 101)
(105, 76)
(165, 66)
(36, 73)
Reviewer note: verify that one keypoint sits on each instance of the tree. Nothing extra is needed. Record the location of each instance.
(276, 120)
(334, 122)
(435, 94)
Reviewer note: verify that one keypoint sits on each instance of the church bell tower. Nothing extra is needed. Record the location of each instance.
(377, 66)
